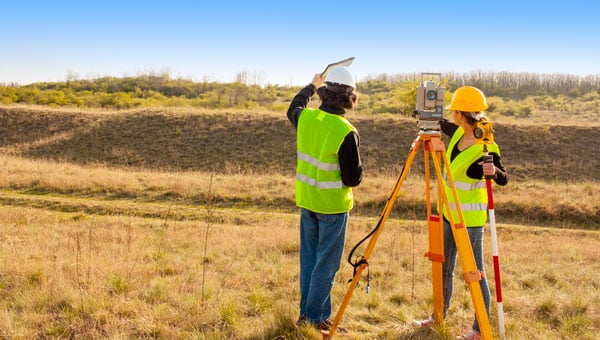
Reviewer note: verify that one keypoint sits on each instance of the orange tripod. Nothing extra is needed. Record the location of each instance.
(432, 143)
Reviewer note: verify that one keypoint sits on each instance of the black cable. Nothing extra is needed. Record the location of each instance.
(362, 260)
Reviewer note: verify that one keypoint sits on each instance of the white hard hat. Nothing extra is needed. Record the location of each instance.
(341, 75)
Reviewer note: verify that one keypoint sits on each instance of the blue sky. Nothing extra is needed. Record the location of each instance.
(286, 42)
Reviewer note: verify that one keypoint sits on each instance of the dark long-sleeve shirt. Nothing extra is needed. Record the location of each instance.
(348, 154)
(475, 170)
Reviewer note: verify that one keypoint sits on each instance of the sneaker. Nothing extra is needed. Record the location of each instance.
(472, 335)
(423, 323)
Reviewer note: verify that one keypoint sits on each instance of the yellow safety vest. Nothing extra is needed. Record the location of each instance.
(472, 193)
(319, 186)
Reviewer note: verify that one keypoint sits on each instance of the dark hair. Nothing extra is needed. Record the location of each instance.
(339, 97)
(470, 119)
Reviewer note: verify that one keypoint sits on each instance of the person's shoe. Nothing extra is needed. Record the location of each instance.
(472, 335)
(301, 320)
(423, 323)
(325, 325)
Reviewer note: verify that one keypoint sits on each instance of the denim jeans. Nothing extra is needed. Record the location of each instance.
(450, 254)
(322, 239)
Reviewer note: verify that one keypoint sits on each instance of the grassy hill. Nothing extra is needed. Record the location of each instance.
(234, 141)
(544, 161)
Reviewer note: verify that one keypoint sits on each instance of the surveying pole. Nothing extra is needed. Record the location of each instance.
(492, 218)
(432, 144)
(484, 134)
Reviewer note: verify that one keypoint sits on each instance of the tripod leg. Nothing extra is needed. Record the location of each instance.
(436, 256)
(435, 232)
(371, 245)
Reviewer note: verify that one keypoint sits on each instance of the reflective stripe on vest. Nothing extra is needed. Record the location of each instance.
(469, 206)
(471, 193)
(319, 185)
(318, 163)
(463, 185)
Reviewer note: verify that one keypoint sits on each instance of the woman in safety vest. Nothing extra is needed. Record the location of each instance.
(468, 171)
(328, 165)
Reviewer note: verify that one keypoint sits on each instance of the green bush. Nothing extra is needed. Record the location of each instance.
(28, 95)
(8, 95)
(510, 94)
(54, 98)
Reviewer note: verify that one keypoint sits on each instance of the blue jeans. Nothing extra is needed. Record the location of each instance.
(322, 239)
(450, 254)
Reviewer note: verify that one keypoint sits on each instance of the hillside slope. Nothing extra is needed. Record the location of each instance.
(265, 142)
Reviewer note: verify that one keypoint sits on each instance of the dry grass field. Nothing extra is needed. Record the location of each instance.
(167, 224)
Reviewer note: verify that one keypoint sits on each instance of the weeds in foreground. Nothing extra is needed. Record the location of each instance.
(208, 224)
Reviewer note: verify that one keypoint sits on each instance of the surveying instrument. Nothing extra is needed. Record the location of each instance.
(429, 111)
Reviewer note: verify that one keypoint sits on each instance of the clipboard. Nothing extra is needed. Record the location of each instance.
(345, 62)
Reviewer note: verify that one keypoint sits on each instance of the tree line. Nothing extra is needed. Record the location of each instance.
(519, 94)
(509, 85)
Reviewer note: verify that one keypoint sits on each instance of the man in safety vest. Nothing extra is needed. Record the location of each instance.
(328, 165)
(468, 171)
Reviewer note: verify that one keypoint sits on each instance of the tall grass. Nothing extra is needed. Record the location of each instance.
(209, 220)
(68, 274)
(99, 252)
